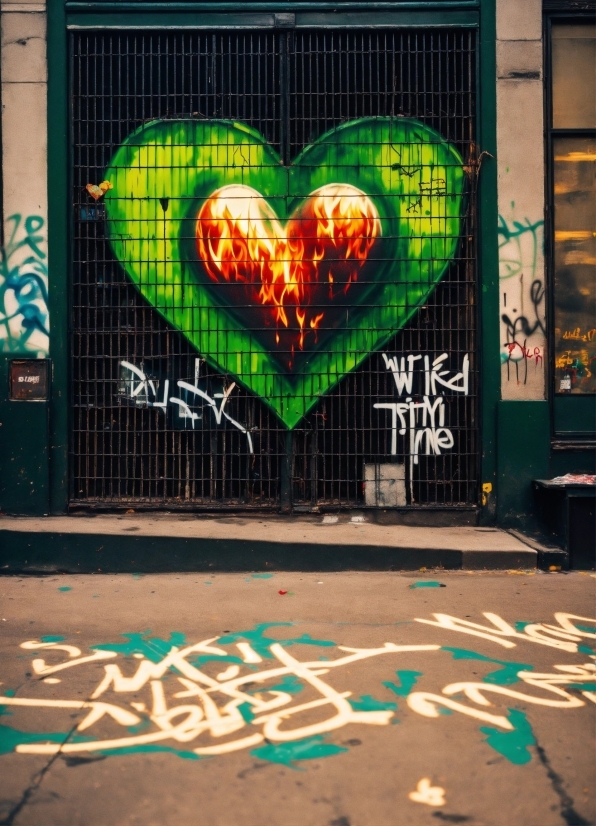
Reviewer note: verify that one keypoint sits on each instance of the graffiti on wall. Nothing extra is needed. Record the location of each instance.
(248, 690)
(285, 277)
(24, 317)
(523, 331)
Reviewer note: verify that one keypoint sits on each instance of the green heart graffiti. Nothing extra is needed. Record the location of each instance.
(409, 179)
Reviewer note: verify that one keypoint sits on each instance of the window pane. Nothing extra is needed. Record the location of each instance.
(574, 76)
(575, 264)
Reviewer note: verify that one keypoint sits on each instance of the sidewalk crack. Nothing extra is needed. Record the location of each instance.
(568, 813)
(36, 781)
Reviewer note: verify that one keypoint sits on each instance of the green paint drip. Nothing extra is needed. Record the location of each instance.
(585, 649)
(65, 588)
(260, 643)
(368, 703)
(427, 584)
(507, 675)
(311, 748)
(262, 576)
(51, 638)
(512, 744)
(407, 680)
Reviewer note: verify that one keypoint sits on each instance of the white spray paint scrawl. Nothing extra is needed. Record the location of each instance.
(425, 793)
(223, 699)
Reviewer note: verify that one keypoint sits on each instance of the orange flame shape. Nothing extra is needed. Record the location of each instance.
(296, 272)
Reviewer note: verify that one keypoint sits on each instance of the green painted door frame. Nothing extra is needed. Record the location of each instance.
(478, 14)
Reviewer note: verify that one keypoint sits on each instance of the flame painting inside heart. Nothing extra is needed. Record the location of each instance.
(289, 279)
(285, 277)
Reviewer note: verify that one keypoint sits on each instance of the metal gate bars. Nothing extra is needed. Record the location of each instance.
(273, 269)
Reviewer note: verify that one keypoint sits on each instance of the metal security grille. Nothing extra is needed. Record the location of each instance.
(130, 444)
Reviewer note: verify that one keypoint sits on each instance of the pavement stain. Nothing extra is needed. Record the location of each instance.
(65, 588)
(426, 583)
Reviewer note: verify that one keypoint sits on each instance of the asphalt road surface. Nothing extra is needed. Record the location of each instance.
(348, 699)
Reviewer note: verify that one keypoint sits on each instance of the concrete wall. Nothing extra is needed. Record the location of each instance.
(23, 307)
(520, 146)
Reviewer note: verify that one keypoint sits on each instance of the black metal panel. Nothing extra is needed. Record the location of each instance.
(292, 86)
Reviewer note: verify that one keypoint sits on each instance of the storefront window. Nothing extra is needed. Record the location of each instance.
(574, 182)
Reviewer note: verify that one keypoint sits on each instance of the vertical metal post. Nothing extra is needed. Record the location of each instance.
(284, 96)
(285, 472)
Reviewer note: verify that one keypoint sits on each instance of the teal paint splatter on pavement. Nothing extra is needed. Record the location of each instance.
(153, 648)
(10, 738)
(585, 649)
(368, 703)
(520, 626)
(444, 710)
(407, 681)
(247, 713)
(137, 576)
(290, 684)
(149, 747)
(52, 638)
(311, 748)
(207, 658)
(208, 583)
(262, 576)
(65, 588)
(260, 643)
(512, 744)
(589, 629)
(507, 675)
(427, 583)
(583, 686)
(141, 727)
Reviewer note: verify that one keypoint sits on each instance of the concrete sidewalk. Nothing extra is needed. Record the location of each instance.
(298, 699)
(162, 543)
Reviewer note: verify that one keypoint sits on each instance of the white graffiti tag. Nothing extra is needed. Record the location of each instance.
(268, 709)
(143, 390)
(218, 700)
(424, 419)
